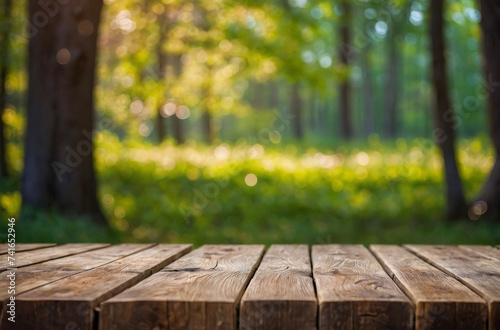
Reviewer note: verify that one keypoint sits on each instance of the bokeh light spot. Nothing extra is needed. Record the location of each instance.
(479, 208)
(222, 152)
(136, 107)
(168, 109)
(362, 158)
(85, 28)
(63, 56)
(182, 112)
(251, 180)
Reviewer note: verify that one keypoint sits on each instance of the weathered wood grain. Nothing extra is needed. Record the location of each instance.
(70, 302)
(441, 301)
(484, 250)
(198, 291)
(480, 273)
(4, 248)
(30, 277)
(281, 293)
(27, 258)
(354, 292)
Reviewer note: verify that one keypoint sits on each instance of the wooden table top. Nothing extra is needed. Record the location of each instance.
(171, 286)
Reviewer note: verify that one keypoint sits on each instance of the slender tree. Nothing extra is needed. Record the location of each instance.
(391, 82)
(312, 112)
(169, 66)
(258, 91)
(177, 123)
(444, 132)
(392, 77)
(368, 99)
(4, 53)
(296, 107)
(58, 163)
(273, 99)
(490, 25)
(346, 129)
(162, 69)
(206, 116)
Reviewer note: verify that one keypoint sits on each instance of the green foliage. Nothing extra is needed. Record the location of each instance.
(372, 192)
(368, 192)
(50, 227)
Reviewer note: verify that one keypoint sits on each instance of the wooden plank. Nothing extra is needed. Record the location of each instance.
(30, 277)
(70, 302)
(281, 293)
(354, 292)
(27, 258)
(4, 248)
(441, 301)
(481, 274)
(484, 250)
(199, 291)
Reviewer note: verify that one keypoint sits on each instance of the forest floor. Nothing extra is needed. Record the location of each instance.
(370, 192)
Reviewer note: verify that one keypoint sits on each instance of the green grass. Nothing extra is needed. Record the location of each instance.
(371, 192)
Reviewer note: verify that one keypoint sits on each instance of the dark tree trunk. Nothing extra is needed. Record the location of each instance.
(58, 163)
(392, 86)
(312, 109)
(258, 95)
(4, 52)
(273, 95)
(490, 24)
(296, 107)
(345, 86)
(160, 125)
(178, 130)
(178, 127)
(162, 68)
(368, 100)
(444, 133)
(206, 117)
(322, 116)
(206, 122)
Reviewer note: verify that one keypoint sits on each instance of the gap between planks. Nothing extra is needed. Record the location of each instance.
(480, 273)
(38, 275)
(441, 301)
(281, 293)
(200, 290)
(70, 302)
(355, 292)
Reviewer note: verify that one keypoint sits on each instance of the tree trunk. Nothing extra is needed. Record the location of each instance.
(160, 125)
(178, 130)
(58, 164)
(296, 107)
(4, 52)
(273, 94)
(345, 86)
(391, 90)
(444, 133)
(490, 25)
(312, 110)
(206, 122)
(162, 67)
(368, 100)
(258, 95)
(178, 127)
(206, 116)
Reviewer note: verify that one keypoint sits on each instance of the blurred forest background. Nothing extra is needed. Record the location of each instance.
(250, 121)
